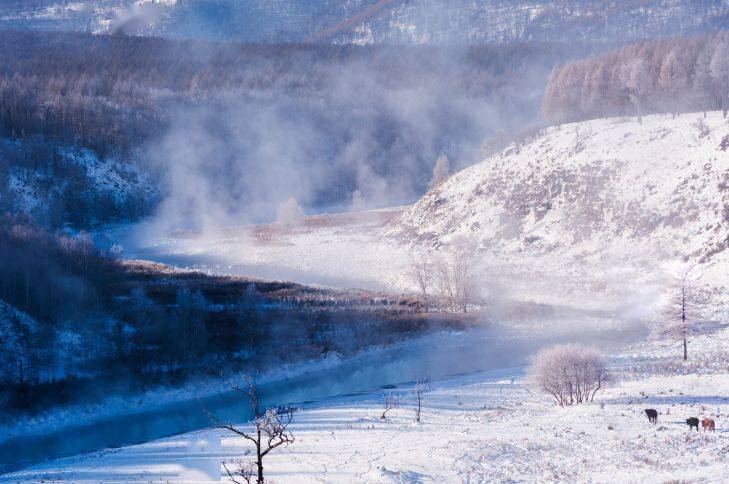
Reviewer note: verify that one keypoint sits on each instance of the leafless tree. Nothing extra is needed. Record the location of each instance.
(572, 374)
(422, 386)
(455, 273)
(242, 470)
(270, 431)
(391, 402)
(441, 170)
(422, 271)
(637, 80)
(682, 312)
(720, 72)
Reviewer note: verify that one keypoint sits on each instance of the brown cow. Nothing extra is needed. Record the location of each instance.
(708, 424)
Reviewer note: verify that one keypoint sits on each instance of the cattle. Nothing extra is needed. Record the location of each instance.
(708, 424)
(652, 415)
(693, 422)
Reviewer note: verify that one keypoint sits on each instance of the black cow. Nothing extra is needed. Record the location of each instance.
(693, 422)
(652, 415)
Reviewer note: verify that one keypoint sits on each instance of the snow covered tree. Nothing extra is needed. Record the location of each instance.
(637, 80)
(720, 73)
(422, 386)
(289, 213)
(422, 272)
(454, 273)
(703, 81)
(390, 401)
(441, 170)
(358, 201)
(571, 373)
(270, 431)
(682, 312)
(673, 79)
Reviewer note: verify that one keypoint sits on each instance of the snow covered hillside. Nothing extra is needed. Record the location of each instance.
(59, 184)
(598, 207)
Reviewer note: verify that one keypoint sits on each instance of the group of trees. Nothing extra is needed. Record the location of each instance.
(674, 75)
(446, 280)
(77, 323)
(379, 113)
(573, 373)
(53, 185)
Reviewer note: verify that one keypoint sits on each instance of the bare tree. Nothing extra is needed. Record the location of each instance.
(720, 73)
(637, 80)
(572, 374)
(390, 402)
(703, 81)
(422, 386)
(270, 431)
(455, 276)
(358, 201)
(682, 312)
(673, 78)
(441, 170)
(242, 470)
(422, 271)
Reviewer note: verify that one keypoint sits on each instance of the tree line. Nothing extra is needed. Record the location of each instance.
(675, 75)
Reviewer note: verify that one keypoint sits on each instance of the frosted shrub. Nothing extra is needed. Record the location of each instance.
(572, 374)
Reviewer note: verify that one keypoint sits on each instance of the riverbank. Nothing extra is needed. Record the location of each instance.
(488, 426)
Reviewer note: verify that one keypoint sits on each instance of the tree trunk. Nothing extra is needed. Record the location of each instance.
(259, 457)
(685, 349)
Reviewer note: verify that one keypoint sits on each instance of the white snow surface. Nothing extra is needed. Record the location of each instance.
(606, 207)
(487, 427)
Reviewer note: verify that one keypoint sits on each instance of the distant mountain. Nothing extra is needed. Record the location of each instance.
(375, 21)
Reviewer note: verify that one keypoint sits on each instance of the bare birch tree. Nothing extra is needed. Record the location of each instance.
(270, 431)
(455, 273)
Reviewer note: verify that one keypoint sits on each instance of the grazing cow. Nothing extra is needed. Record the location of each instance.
(652, 415)
(693, 422)
(708, 424)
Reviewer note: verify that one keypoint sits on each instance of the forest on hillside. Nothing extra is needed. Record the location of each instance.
(669, 76)
(341, 118)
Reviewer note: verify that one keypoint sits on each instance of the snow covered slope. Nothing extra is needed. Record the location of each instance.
(610, 199)
(71, 184)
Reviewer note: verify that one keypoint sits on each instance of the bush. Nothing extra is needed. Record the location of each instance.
(571, 373)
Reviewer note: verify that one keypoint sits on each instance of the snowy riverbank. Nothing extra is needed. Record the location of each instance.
(487, 426)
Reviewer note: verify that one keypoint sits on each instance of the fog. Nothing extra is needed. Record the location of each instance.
(371, 123)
